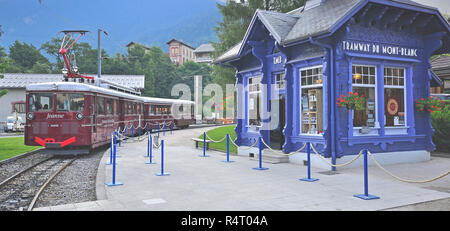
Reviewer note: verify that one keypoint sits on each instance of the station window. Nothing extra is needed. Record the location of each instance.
(100, 106)
(19, 107)
(40, 102)
(254, 100)
(394, 97)
(69, 102)
(311, 100)
(280, 83)
(129, 108)
(364, 84)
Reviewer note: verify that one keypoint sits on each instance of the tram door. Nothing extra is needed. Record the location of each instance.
(94, 117)
(278, 117)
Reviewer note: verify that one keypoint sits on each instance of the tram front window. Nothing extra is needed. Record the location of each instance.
(40, 102)
(70, 102)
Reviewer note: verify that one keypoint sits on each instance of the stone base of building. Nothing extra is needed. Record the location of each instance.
(386, 158)
(248, 152)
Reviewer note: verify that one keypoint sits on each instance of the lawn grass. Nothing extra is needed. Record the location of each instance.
(13, 146)
(219, 133)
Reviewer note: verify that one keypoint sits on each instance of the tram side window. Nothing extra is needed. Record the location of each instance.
(100, 106)
(69, 102)
(115, 107)
(40, 102)
(109, 107)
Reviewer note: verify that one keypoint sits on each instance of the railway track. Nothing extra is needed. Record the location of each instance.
(22, 190)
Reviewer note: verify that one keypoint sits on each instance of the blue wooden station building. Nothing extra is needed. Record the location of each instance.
(291, 68)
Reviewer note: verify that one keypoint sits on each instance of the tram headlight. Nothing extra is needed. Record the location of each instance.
(30, 116)
(64, 71)
(80, 116)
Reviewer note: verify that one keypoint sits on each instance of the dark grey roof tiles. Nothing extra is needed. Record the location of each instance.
(301, 24)
(279, 24)
(320, 19)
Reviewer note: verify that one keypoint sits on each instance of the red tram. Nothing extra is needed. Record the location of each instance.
(73, 118)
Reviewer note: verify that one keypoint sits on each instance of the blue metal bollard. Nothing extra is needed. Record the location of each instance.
(228, 151)
(309, 179)
(366, 195)
(132, 130)
(114, 183)
(204, 146)
(171, 128)
(120, 140)
(146, 127)
(162, 173)
(150, 150)
(260, 156)
(139, 131)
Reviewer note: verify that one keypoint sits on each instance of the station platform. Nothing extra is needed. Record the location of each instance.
(206, 183)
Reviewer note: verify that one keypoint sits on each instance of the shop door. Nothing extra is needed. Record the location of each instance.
(276, 132)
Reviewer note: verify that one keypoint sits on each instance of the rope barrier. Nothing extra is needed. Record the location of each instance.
(402, 179)
(280, 152)
(337, 165)
(249, 147)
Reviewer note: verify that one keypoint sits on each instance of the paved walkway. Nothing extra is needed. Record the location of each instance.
(198, 183)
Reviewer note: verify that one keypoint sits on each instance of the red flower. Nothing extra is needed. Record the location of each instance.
(350, 93)
(421, 99)
(339, 99)
(356, 98)
(356, 93)
(341, 96)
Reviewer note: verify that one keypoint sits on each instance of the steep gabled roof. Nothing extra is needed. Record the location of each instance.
(323, 19)
(278, 24)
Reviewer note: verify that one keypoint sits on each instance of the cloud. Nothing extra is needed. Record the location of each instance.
(28, 20)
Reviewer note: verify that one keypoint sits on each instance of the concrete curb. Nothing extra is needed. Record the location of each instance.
(100, 190)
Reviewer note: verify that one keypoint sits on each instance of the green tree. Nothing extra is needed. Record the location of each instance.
(236, 18)
(25, 56)
(3, 64)
(160, 73)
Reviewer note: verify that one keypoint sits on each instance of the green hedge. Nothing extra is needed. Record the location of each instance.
(441, 124)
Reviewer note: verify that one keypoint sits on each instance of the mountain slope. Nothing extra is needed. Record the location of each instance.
(149, 22)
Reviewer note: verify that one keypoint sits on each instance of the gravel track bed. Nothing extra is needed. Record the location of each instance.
(9, 168)
(75, 184)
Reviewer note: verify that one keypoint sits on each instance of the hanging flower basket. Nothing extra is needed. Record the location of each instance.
(352, 101)
(429, 104)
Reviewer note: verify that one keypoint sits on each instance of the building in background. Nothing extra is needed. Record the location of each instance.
(440, 66)
(294, 70)
(180, 52)
(204, 53)
(133, 44)
(16, 83)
